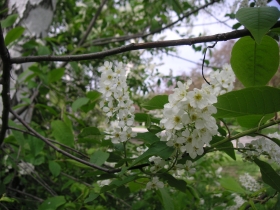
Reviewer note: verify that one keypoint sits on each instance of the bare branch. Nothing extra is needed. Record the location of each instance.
(58, 149)
(53, 141)
(5, 56)
(143, 35)
(92, 23)
(138, 46)
(26, 194)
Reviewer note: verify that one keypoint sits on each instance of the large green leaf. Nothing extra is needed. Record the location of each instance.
(158, 148)
(89, 131)
(269, 176)
(258, 20)
(9, 21)
(255, 64)
(54, 168)
(248, 101)
(93, 95)
(13, 35)
(62, 133)
(36, 145)
(156, 102)
(78, 103)
(52, 203)
(147, 137)
(252, 121)
(99, 157)
(166, 200)
(231, 184)
(55, 75)
(173, 182)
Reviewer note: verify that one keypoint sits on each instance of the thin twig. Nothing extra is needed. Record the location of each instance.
(204, 60)
(75, 179)
(137, 46)
(92, 23)
(229, 134)
(6, 60)
(53, 141)
(26, 194)
(58, 149)
(143, 35)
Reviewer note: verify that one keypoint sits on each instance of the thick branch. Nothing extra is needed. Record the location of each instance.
(138, 46)
(5, 56)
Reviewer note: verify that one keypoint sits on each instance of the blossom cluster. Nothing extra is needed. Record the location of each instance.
(25, 168)
(249, 182)
(262, 146)
(187, 117)
(115, 102)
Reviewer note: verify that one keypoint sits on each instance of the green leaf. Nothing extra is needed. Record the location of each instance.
(118, 183)
(253, 64)
(228, 145)
(78, 164)
(7, 199)
(92, 196)
(147, 137)
(78, 103)
(143, 117)
(54, 168)
(43, 50)
(252, 121)
(55, 75)
(248, 101)
(166, 200)
(36, 145)
(276, 141)
(93, 95)
(99, 157)
(158, 148)
(258, 20)
(13, 35)
(156, 102)
(173, 182)
(231, 184)
(9, 21)
(269, 175)
(89, 131)
(52, 203)
(62, 133)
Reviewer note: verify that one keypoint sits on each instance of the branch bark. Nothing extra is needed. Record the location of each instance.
(5, 56)
(138, 46)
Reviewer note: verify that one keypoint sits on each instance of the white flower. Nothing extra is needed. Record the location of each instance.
(197, 98)
(25, 168)
(187, 167)
(154, 184)
(249, 182)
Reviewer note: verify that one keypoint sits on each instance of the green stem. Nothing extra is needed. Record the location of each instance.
(245, 133)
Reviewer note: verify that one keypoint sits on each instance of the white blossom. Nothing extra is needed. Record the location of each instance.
(25, 168)
(154, 184)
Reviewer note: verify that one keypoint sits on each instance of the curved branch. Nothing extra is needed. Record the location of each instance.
(58, 149)
(138, 46)
(143, 35)
(5, 56)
